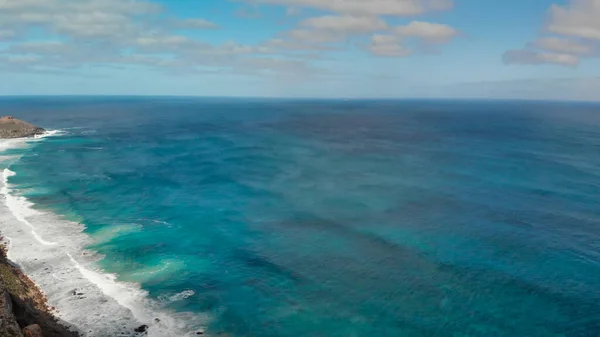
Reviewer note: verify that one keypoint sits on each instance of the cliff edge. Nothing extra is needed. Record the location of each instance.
(13, 128)
(23, 309)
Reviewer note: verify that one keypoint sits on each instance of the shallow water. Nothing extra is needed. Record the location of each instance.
(281, 218)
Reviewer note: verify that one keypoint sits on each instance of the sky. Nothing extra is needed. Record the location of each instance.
(522, 49)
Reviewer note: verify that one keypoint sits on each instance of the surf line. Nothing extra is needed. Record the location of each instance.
(12, 203)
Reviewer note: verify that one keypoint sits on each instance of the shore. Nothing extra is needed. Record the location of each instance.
(24, 309)
(23, 305)
(47, 278)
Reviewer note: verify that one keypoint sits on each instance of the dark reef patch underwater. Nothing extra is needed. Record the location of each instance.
(275, 218)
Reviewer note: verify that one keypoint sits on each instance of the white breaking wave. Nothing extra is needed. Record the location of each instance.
(52, 253)
(20, 207)
(177, 297)
(49, 133)
(12, 143)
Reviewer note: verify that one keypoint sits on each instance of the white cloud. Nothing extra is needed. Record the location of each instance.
(388, 45)
(111, 33)
(316, 37)
(77, 18)
(109, 19)
(249, 12)
(293, 45)
(293, 11)
(368, 7)
(165, 44)
(234, 48)
(581, 18)
(16, 4)
(195, 24)
(523, 56)
(577, 25)
(116, 33)
(346, 24)
(427, 31)
(331, 29)
(40, 47)
(562, 45)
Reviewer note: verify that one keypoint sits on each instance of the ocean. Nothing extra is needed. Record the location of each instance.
(277, 218)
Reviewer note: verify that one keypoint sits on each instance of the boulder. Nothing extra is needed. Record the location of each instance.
(33, 330)
(141, 328)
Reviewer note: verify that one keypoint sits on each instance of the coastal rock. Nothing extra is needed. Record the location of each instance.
(8, 323)
(22, 302)
(11, 127)
(33, 330)
(141, 328)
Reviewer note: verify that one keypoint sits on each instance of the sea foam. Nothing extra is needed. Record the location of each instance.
(52, 253)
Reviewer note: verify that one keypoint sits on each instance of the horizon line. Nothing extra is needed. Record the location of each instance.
(416, 98)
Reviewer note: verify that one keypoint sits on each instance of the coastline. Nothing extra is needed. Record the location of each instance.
(45, 257)
(28, 303)
(23, 301)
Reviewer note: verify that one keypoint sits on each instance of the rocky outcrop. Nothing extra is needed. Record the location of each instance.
(13, 128)
(23, 306)
(8, 323)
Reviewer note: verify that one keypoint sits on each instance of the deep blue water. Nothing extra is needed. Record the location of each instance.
(331, 218)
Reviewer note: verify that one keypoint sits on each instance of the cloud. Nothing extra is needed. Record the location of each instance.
(54, 6)
(76, 18)
(293, 11)
(195, 24)
(40, 47)
(523, 56)
(427, 31)
(577, 25)
(114, 33)
(294, 45)
(79, 35)
(346, 24)
(562, 45)
(85, 19)
(370, 7)
(388, 45)
(332, 28)
(580, 18)
(314, 37)
(248, 12)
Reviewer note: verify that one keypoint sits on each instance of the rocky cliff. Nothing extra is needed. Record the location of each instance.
(23, 309)
(13, 128)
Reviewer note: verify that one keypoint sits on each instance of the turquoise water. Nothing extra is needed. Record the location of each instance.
(327, 218)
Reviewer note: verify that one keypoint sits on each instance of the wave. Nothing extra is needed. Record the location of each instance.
(50, 133)
(177, 297)
(14, 143)
(52, 253)
(20, 207)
